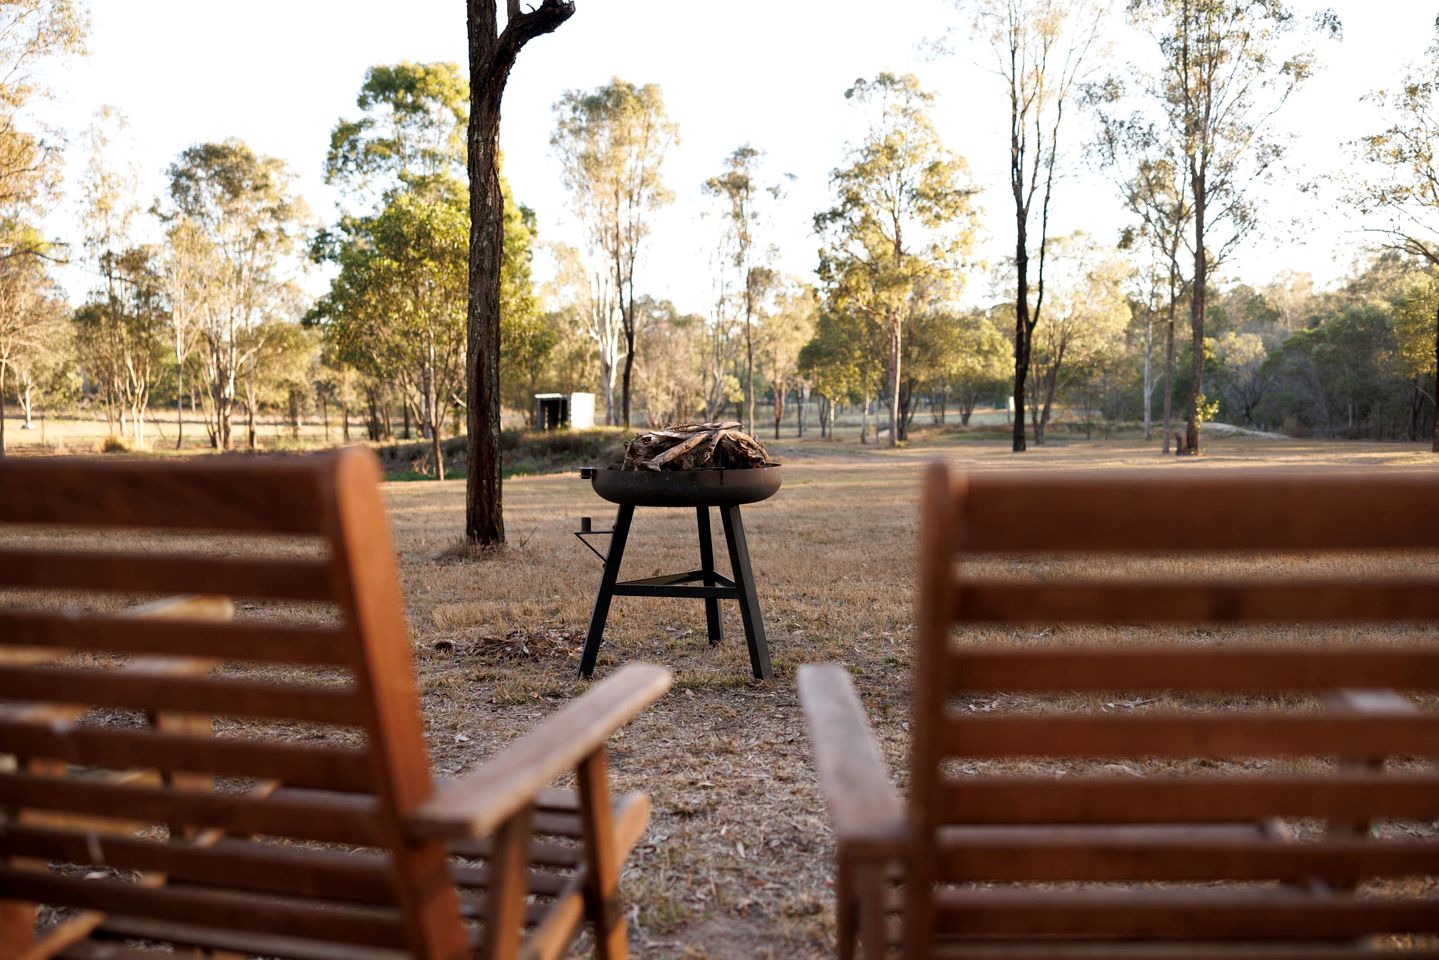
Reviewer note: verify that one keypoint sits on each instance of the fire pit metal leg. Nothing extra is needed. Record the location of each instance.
(707, 567)
(607, 589)
(748, 600)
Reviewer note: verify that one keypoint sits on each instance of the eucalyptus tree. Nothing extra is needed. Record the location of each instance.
(1043, 50)
(28, 307)
(411, 130)
(1399, 190)
(902, 216)
(1228, 68)
(612, 143)
(1088, 316)
(244, 230)
(32, 32)
(786, 329)
(493, 52)
(398, 307)
(743, 197)
(120, 333)
(1147, 159)
(979, 364)
(120, 328)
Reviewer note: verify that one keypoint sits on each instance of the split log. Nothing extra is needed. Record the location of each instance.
(695, 446)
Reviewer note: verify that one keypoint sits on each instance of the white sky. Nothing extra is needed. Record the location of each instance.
(280, 73)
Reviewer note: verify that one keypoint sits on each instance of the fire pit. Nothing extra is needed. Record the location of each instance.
(698, 489)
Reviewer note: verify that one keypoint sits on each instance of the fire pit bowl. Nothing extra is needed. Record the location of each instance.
(685, 488)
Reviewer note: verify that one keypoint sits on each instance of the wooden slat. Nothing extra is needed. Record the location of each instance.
(1190, 734)
(1280, 914)
(221, 908)
(141, 690)
(242, 494)
(241, 864)
(309, 815)
(1045, 853)
(1350, 795)
(1279, 601)
(1228, 669)
(506, 781)
(271, 643)
(549, 940)
(250, 944)
(541, 854)
(297, 764)
(277, 578)
(1202, 510)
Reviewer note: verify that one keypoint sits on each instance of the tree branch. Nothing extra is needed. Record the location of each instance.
(524, 27)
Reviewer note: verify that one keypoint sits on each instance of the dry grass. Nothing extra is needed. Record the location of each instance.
(738, 860)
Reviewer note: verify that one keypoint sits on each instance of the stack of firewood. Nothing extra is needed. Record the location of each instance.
(694, 446)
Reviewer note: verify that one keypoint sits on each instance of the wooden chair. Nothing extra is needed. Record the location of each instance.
(1265, 852)
(312, 828)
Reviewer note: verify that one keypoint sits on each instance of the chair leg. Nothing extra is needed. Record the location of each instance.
(607, 589)
(748, 600)
(869, 885)
(602, 867)
(707, 566)
(505, 920)
(846, 912)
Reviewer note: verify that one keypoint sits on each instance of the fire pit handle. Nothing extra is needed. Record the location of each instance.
(587, 473)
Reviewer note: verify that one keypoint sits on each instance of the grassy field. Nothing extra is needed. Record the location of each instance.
(738, 860)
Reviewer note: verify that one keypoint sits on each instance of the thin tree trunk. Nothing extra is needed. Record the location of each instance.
(896, 356)
(179, 396)
(1169, 361)
(1435, 445)
(2, 411)
(1196, 318)
(1148, 376)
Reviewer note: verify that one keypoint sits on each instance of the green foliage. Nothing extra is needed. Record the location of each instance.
(902, 220)
(412, 130)
(235, 228)
(396, 311)
(612, 143)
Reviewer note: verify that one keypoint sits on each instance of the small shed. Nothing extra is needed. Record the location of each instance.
(559, 411)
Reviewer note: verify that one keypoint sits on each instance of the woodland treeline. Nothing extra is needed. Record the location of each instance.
(197, 311)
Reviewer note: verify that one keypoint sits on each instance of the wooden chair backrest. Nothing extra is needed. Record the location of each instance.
(1007, 848)
(322, 743)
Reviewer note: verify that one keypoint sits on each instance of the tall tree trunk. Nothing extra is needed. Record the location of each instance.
(492, 55)
(1196, 318)
(179, 396)
(629, 371)
(1169, 360)
(1022, 331)
(1435, 445)
(864, 418)
(896, 357)
(1148, 376)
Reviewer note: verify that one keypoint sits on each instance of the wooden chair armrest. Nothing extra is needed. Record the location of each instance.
(864, 807)
(477, 804)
